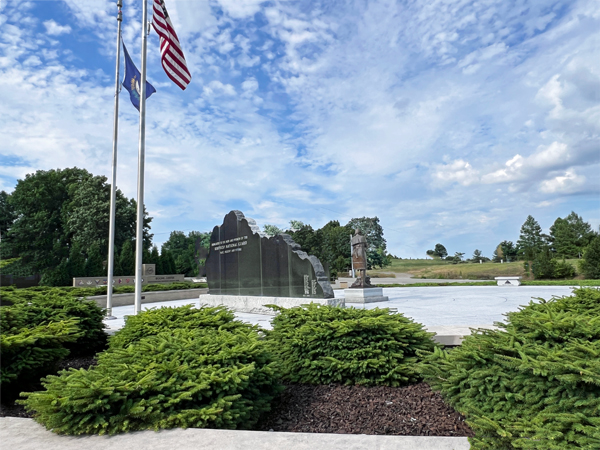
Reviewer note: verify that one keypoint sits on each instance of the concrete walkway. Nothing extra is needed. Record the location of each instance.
(448, 311)
(25, 434)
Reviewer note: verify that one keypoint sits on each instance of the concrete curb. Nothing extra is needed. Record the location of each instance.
(149, 297)
(26, 434)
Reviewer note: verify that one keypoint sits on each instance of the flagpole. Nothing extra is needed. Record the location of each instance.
(139, 237)
(113, 186)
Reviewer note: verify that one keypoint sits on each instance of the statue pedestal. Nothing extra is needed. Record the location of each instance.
(365, 295)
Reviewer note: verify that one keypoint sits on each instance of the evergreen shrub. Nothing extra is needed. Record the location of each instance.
(200, 377)
(154, 321)
(29, 353)
(533, 384)
(41, 306)
(320, 345)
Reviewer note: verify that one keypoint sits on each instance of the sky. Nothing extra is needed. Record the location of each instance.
(449, 120)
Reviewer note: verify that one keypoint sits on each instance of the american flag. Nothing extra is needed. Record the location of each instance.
(171, 54)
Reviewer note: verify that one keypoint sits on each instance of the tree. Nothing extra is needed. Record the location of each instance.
(440, 251)
(272, 230)
(168, 263)
(76, 261)
(376, 244)
(89, 212)
(296, 225)
(589, 265)
(505, 251)
(93, 265)
(335, 250)
(531, 241)
(127, 259)
(7, 214)
(477, 256)
(57, 208)
(458, 257)
(543, 265)
(184, 250)
(569, 236)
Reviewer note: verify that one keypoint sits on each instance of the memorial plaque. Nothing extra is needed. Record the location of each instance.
(242, 261)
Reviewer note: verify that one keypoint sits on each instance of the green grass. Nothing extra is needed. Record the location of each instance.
(574, 283)
(437, 269)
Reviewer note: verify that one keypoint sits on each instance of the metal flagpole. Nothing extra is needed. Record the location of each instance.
(139, 236)
(113, 186)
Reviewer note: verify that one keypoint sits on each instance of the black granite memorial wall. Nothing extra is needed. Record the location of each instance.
(241, 261)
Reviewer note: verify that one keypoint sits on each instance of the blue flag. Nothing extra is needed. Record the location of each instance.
(132, 81)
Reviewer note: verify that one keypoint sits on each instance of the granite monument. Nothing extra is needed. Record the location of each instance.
(244, 262)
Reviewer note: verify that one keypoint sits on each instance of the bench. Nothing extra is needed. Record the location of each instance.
(508, 281)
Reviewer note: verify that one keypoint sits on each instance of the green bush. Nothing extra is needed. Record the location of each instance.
(321, 345)
(534, 384)
(154, 321)
(37, 306)
(590, 263)
(202, 377)
(30, 353)
(563, 269)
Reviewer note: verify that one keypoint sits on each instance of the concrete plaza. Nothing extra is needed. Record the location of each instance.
(435, 307)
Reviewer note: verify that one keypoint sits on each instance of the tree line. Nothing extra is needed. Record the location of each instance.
(331, 243)
(544, 255)
(56, 223)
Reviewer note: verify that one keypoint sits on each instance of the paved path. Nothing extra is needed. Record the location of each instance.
(25, 434)
(445, 310)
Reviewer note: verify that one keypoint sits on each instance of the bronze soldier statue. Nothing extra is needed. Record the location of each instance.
(359, 260)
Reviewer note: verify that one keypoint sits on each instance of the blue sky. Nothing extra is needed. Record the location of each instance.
(450, 120)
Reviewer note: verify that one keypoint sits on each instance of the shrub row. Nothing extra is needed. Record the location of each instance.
(74, 291)
(321, 345)
(167, 368)
(534, 384)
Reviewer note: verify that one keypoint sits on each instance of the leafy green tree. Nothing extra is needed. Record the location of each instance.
(93, 265)
(7, 214)
(127, 259)
(505, 251)
(569, 236)
(543, 265)
(310, 241)
(439, 251)
(531, 241)
(184, 250)
(589, 265)
(168, 263)
(376, 244)
(296, 225)
(76, 261)
(57, 276)
(477, 256)
(335, 249)
(57, 208)
(272, 230)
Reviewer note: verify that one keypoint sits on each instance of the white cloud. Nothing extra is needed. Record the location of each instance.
(54, 29)
(568, 183)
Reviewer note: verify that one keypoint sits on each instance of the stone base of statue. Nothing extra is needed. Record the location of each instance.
(256, 304)
(365, 295)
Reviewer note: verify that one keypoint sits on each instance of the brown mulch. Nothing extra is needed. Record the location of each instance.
(413, 410)
(10, 409)
(408, 411)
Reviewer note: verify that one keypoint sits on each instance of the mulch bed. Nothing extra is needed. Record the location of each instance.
(12, 410)
(408, 411)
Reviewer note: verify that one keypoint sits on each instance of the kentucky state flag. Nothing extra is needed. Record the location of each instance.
(132, 81)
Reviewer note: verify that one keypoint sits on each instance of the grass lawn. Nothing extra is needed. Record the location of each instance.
(429, 268)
